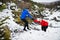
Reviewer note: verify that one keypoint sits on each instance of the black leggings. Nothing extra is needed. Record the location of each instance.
(44, 28)
(26, 23)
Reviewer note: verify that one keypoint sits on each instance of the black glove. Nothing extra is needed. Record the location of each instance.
(32, 18)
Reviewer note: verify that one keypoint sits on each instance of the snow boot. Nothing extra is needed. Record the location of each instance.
(28, 28)
(24, 29)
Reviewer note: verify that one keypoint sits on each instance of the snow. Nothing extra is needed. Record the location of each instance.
(50, 34)
(47, 1)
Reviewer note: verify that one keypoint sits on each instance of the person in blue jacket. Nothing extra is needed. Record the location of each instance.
(25, 13)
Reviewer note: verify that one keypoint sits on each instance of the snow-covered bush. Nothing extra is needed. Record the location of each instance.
(58, 18)
(55, 24)
(35, 12)
(46, 12)
(4, 30)
(3, 6)
(55, 14)
(4, 33)
(11, 6)
(0, 3)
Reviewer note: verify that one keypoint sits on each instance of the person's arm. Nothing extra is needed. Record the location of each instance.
(29, 15)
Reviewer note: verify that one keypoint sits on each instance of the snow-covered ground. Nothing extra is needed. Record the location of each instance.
(47, 1)
(51, 33)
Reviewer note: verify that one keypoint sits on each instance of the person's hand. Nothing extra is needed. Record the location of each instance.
(32, 18)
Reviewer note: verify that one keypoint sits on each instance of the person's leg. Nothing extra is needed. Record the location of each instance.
(45, 28)
(42, 28)
(25, 25)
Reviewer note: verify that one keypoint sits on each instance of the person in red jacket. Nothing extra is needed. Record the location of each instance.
(43, 23)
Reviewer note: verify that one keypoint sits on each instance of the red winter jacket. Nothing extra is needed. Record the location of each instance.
(42, 22)
(36, 21)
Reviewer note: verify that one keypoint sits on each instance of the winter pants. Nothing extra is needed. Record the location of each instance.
(44, 28)
(26, 24)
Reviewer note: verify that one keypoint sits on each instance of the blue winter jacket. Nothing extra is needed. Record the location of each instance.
(25, 14)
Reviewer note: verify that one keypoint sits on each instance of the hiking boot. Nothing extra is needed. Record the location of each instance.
(28, 29)
(24, 29)
(44, 30)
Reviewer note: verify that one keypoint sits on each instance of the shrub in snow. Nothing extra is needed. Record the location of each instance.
(2, 21)
(2, 7)
(58, 18)
(36, 7)
(0, 3)
(11, 6)
(46, 13)
(35, 12)
(55, 24)
(4, 33)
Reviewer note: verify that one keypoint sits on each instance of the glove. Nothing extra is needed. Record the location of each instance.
(32, 18)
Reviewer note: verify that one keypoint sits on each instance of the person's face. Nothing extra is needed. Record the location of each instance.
(29, 9)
